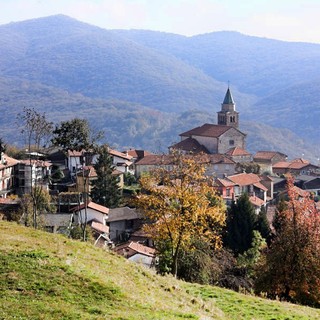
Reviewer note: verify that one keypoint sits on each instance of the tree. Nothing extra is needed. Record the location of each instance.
(37, 131)
(75, 134)
(178, 201)
(241, 220)
(43, 204)
(3, 147)
(292, 270)
(36, 128)
(106, 190)
(262, 224)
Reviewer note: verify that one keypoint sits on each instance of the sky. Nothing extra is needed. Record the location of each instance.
(289, 20)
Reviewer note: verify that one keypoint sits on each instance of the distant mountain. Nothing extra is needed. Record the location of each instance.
(144, 88)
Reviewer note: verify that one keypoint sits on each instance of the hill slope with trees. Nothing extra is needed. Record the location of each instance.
(144, 88)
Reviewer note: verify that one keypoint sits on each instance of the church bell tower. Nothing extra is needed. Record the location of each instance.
(228, 116)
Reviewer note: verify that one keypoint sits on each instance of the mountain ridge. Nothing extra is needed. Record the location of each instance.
(99, 67)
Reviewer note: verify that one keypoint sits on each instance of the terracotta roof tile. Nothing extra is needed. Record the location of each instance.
(100, 227)
(256, 201)
(267, 155)
(137, 153)
(244, 179)
(190, 145)
(224, 182)
(94, 206)
(119, 154)
(9, 162)
(236, 151)
(208, 130)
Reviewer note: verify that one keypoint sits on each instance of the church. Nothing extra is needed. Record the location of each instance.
(222, 138)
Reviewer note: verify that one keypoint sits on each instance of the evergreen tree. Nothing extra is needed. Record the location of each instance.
(241, 220)
(262, 224)
(106, 190)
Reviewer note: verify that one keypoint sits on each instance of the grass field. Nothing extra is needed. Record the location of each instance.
(45, 276)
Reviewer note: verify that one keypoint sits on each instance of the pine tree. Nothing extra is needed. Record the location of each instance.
(106, 190)
(241, 220)
(262, 224)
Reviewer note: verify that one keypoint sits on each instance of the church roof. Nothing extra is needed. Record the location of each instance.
(208, 130)
(228, 98)
(190, 145)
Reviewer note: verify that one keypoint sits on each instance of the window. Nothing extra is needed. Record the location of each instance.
(231, 142)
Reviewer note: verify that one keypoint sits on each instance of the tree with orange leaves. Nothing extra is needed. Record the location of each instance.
(181, 205)
(292, 270)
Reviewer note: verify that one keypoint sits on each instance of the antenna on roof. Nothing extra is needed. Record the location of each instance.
(228, 84)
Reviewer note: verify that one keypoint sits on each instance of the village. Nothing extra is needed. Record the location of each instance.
(232, 169)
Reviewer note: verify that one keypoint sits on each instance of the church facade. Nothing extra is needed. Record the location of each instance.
(218, 138)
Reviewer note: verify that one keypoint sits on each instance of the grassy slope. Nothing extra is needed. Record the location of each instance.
(44, 276)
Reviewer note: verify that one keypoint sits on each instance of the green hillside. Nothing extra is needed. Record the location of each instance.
(45, 276)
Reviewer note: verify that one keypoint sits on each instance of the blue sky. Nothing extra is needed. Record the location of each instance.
(291, 20)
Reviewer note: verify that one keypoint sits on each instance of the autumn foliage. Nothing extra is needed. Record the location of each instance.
(292, 270)
(181, 206)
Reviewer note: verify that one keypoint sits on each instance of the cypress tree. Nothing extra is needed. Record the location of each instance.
(106, 190)
(241, 220)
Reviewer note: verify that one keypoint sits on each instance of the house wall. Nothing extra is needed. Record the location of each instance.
(210, 143)
(225, 141)
(93, 215)
(220, 170)
(6, 181)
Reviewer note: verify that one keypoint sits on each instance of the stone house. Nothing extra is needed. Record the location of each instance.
(266, 159)
(123, 222)
(137, 253)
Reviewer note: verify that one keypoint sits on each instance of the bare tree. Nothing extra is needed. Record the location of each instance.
(37, 131)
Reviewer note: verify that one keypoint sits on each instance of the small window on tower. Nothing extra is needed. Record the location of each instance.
(231, 142)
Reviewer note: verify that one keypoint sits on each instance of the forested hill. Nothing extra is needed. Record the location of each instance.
(144, 88)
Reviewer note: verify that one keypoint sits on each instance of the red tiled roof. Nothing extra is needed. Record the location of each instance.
(190, 145)
(9, 162)
(224, 182)
(244, 179)
(119, 154)
(37, 163)
(267, 155)
(220, 158)
(140, 248)
(260, 186)
(137, 153)
(131, 248)
(281, 165)
(208, 130)
(300, 160)
(256, 201)
(236, 151)
(156, 159)
(94, 206)
(100, 227)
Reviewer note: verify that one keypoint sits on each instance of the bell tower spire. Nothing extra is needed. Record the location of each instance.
(228, 116)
